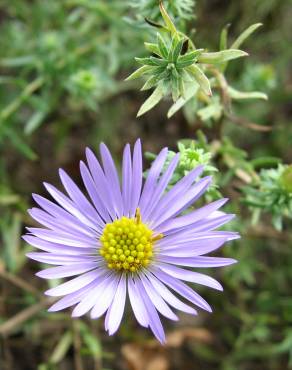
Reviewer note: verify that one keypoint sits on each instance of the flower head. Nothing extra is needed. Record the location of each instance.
(128, 238)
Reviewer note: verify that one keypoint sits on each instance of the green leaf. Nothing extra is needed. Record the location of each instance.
(139, 72)
(190, 91)
(34, 122)
(223, 37)
(168, 22)
(245, 34)
(188, 59)
(153, 48)
(146, 61)
(153, 100)
(201, 78)
(162, 46)
(240, 95)
(159, 62)
(221, 56)
(151, 82)
(176, 50)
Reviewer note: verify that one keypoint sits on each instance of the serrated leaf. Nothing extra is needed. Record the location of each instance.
(221, 56)
(245, 34)
(201, 78)
(168, 22)
(139, 72)
(153, 100)
(190, 90)
(241, 95)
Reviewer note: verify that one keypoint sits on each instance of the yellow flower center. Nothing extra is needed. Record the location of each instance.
(127, 244)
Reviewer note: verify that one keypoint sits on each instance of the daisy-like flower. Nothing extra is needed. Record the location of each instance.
(128, 238)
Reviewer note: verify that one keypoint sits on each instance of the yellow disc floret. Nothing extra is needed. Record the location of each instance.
(127, 244)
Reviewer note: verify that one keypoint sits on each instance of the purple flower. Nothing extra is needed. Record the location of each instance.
(128, 239)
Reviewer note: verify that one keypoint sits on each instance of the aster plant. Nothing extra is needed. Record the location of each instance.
(129, 238)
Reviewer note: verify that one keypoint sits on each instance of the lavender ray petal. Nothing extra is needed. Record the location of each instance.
(175, 192)
(156, 299)
(116, 309)
(66, 271)
(90, 299)
(112, 177)
(160, 187)
(184, 201)
(63, 216)
(192, 217)
(80, 200)
(67, 204)
(58, 259)
(72, 298)
(137, 177)
(127, 180)
(137, 304)
(200, 262)
(191, 276)
(154, 320)
(105, 299)
(169, 297)
(57, 248)
(75, 284)
(194, 248)
(92, 190)
(62, 238)
(102, 186)
(182, 289)
(151, 180)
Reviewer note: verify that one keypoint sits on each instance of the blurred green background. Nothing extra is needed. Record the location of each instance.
(62, 88)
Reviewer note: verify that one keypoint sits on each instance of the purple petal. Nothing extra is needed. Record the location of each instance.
(116, 310)
(137, 177)
(169, 297)
(156, 299)
(137, 304)
(175, 192)
(80, 200)
(75, 284)
(154, 320)
(66, 203)
(58, 259)
(92, 190)
(66, 271)
(112, 177)
(106, 297)
(127, 180)
(200, 262)
(182, 289)
(191, 276)
(90, 299)
(152, 178)
(57, 248)
(192, 217)
(63, 216)
(160, 187)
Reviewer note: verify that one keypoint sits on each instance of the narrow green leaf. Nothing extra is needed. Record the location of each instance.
(34, 122)
(245, 34)
(176, 50)
(221, 56)
(223, 37)
(159, 62)
(153, 100)
(145, 61)
(151, 82)
(201, 78)
(241, 95)
(153, 48)
(168, 22)
(139, 72)
(190, 90)
(162, 46)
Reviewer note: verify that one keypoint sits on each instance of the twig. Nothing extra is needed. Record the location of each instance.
(15, 280)
(77, 346)
(244, 122)
(14, 322)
